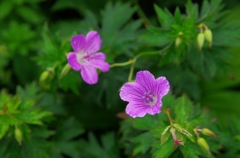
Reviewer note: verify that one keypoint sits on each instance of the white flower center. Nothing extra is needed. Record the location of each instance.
(83, 58)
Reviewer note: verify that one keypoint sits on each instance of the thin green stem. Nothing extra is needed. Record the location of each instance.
(122, 64)
(141, 14)
(169, 117)
(152, 52)
(131, 71)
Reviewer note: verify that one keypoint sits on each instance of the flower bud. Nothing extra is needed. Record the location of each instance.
(208, 36)
(177, 141)
(178, 41)
(18, 135)
(200, 40)
(65, 70)
(208, 132)
(203, 144)
(46, 77)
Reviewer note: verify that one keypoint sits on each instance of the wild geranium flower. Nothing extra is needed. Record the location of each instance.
(86, 57)
(144, 95)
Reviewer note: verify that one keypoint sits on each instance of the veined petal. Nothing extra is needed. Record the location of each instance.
(162, 86)
(155, 109)
(135, 109)
(100, 64)
(73, 62)
(78, 43)
(93, 42)
(89, 74)
(146, 80)
(132, 91)
(99, 56)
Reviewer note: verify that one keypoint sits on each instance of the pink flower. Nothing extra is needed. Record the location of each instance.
(144, 95)
(86, 57)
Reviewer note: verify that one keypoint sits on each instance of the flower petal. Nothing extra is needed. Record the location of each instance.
(131, 91)
(100, 64)
(155, 109)
(78, 43)
(135, 109)
(89, 74)
(146, 80)
(162, 86)
(93, 42)
(99, 56)
(72, 61)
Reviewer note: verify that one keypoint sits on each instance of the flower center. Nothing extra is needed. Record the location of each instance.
(149, 98)
(82, 57)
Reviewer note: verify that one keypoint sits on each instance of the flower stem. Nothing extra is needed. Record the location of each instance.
(141, 14)
(122, 64)
(196, 131)
(167, 111)
(131, 71)
(152, 52)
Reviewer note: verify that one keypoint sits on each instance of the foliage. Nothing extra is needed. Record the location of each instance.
(47, 110)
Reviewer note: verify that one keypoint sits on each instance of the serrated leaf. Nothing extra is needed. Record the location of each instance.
(155, 37)
(183, 110)
(165, 150)
(144, 142)
(190, 150)
(164, 16)
(109, 22)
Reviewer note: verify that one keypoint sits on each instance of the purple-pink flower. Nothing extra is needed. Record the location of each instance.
(144, 95)
(86, 57)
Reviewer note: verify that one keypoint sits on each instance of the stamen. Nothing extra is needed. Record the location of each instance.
(148, 96)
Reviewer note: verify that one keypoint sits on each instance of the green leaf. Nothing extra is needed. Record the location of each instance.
(190, 150)
(165, 17)
(183, 110)
(165, 135)
(144, 122)
(144, 142)
(165, 150)
(3, 129)
(155, 37)
(5, 7)
(29, 14)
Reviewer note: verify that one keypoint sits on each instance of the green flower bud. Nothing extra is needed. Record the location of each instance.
(18, 135)
(46, 77)
(208, 36)
(65, 70)
(208, 132)
(178, 41)
(200, 40)
(203, 144)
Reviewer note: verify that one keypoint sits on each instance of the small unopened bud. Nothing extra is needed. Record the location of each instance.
(65, 70)
(208, 132)
(46, 77)
(178, 41)
(208, 36)
(18, 135)
(200, 40)
(203, 144)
